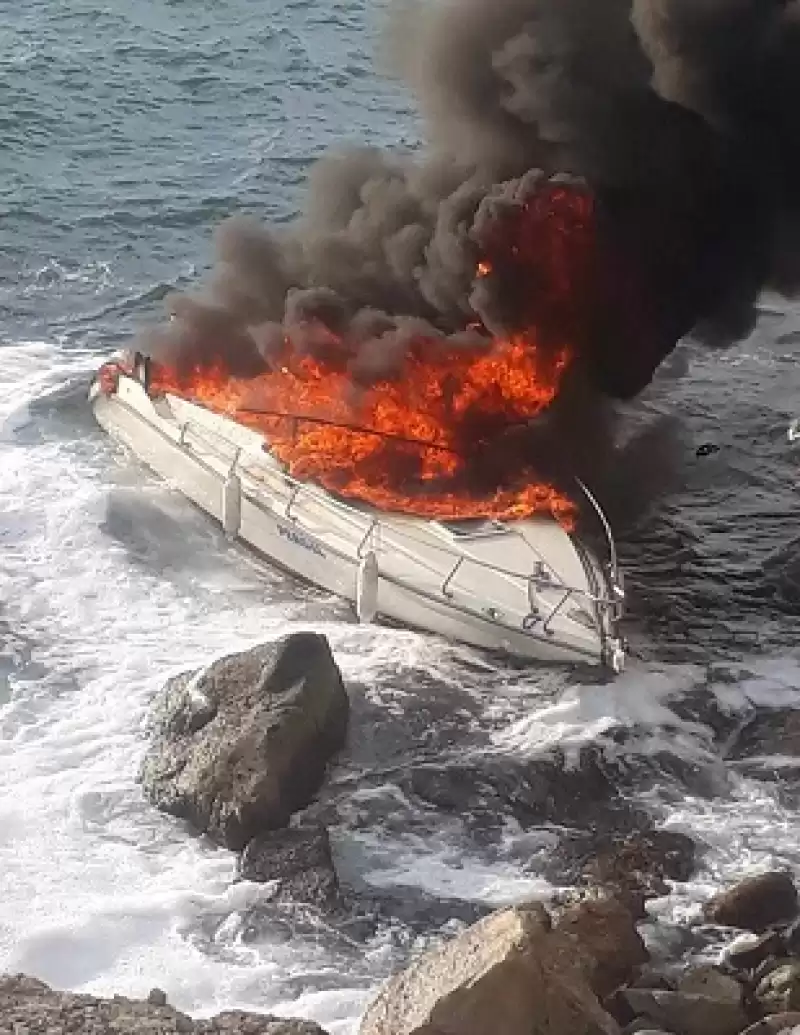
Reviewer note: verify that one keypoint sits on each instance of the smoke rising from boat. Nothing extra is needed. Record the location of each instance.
(675, 118)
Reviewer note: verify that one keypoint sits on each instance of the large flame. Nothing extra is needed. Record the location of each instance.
(431, 434)
(429, 443)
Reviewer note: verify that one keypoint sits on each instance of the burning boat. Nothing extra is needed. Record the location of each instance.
(502, 571)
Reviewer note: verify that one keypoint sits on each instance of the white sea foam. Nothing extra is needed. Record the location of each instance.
(638, 700)
(30, 372)
(438, 868)
(97, 889)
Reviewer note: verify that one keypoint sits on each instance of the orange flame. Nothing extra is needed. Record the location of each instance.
(410, 445)
(434, 440)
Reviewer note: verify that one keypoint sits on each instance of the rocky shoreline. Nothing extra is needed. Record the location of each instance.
(30, 1007)
(579, 969)
(240, 750)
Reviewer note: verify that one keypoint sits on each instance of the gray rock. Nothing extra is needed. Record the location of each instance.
(649, 977)
(299, 859)
(27, 1004)
(686, 1014)
(779, 991)
(773, 732)
(767, 967)
(642, 1027)
(237, 1022)
(710, 982)
(791, 938)
(755, 903)
(777, 1024)
(241, 745)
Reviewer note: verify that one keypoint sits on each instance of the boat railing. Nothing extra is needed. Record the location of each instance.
(232, 456)
(612, 573)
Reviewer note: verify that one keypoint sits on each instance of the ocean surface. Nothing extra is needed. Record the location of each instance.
(127, 132)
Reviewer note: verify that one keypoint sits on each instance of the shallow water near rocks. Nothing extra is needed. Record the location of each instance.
(131, 134)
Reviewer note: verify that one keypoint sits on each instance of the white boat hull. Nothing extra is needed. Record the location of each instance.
(401, 568)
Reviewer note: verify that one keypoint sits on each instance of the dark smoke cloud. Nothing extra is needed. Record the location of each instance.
(678, 114)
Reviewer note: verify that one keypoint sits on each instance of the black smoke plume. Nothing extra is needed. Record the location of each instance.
(676, 117)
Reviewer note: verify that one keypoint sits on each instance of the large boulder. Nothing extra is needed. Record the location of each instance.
(242, 744)
(510, 973)
(28, 1005)
(755, 903)
(688, 1013)
(605, 929)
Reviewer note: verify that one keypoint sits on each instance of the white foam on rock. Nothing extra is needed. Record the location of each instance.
(638, 700)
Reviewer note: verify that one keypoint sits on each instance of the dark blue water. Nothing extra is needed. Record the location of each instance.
(129, 132)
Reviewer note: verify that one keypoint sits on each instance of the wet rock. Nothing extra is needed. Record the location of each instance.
(511, 973)
(29, 1005)
(605, 930)
(545, 791)
(604, 839)
(617, 1006)
(687, 1014)
(237, 1022)
(748, 952)
(638, 863)
(649, 978)
(669, 943)
(356, 918)
(777, 1024)
(790, 937)
(710, 982)
(703, 706)
(780, 989)
(774, 732)
(755, 903)
(652, 854)
(419, 911)
(768, 965)
(244, 743)
(299, 859)
(641, 1027)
